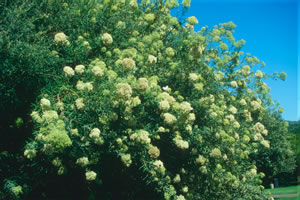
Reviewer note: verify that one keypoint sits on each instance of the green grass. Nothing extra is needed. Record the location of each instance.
(286, 190)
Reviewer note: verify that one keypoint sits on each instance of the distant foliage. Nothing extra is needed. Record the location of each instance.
(134, 104)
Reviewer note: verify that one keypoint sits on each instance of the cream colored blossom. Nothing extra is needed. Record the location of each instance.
(191, 117)
(50, 115)
(133, 3)
(154, 152)
(233, 84)
(79, 103)
(201, 160)
(185, 189)
(259, 128)
(170, 52)
(95, 133)
(107, 39)
(74, 131)
(169, 118)
(185, 107)
(30, 153)
(164, 105)
(84, 86)
(80, 85)
(152, 59)
(61, 38)
(180, 197)
(158, 164)
(255, 105)
(246, 70)
(265, 143)
(79, 69)
(128, 64)
(141, 137)
(180, 143)
(186, 3)
(89, 86)
(45, 104)
(143, 84)
(232, 109)
(192, 20)
(126, 159)
(36, 117)
(97, 71)
(17, 190)
(230, 117)
(69, 72)
(236, 124)
(83, 161)
(265, 132)
(124, 91)
(90, 176)
(193, 77)
(177, 179)
(216, 153)
(149, 17)
(243, 102)
(259, 74)
(167, 97)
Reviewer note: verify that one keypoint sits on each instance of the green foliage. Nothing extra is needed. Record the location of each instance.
(136, 105)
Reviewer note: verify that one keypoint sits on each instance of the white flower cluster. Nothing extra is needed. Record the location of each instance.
(259, 74)
(45, 104)
(79, 69)
(126, 159)
(154, 152)
(193, 77)
(79, 103)
(180, 143)
(69, 72)
(95, 133)
(164, 105)
(177, 179)
(216, 153)
(30, 153)
(90, 176)
(152, 59)
(107, 39)
(169, 118)
(233, 110)
(185, 107)
(233, 84)
(167, 97)
(143, 84)
(84, 161)
(97, 71)
(256, 105)
(180, 197)
(50, 115)
(128, 64)
(61, 38)
(141, 137)
(158, 164)
(124, 91)
(201, 160)
(84, 86)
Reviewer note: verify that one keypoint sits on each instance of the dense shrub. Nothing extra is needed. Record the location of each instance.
(138, 106)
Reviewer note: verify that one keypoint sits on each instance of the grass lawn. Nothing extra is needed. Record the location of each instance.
(286, 190)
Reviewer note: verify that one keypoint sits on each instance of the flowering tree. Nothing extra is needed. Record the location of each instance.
(173, 112)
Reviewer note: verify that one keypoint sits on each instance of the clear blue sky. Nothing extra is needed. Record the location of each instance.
(270, 28)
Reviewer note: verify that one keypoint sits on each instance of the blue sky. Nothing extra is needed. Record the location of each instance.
(270, 28)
